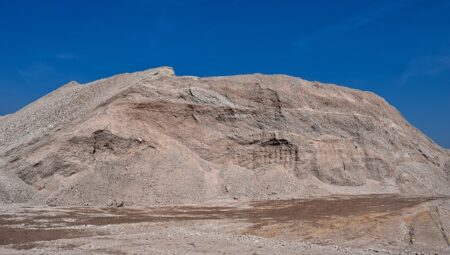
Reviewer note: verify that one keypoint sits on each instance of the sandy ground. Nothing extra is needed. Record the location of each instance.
(332, 225)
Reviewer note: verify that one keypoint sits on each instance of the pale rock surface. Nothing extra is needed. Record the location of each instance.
(152, 137)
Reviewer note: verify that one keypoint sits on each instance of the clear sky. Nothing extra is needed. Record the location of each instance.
(397, 49)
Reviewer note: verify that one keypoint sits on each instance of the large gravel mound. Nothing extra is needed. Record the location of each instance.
(151, 137)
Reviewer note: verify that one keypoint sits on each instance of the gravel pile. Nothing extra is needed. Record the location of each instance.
(155, 138)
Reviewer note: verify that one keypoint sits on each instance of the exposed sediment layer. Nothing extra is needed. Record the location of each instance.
(152, 137)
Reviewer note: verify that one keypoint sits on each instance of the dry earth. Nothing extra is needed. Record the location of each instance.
(337, 225)
(152, 138)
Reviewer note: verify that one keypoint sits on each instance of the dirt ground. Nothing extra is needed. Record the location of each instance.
(332, 225)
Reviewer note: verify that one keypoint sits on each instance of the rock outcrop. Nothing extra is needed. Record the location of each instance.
(152, 137)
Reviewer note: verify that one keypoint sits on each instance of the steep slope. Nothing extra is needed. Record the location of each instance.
(152, 137)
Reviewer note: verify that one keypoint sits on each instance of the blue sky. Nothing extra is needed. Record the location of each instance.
(397, 49)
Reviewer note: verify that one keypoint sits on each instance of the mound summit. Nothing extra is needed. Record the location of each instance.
(152, 137)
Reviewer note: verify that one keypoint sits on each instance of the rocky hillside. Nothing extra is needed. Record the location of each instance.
(152, 137)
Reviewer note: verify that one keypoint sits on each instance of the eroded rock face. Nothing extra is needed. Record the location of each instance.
(152, 137)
